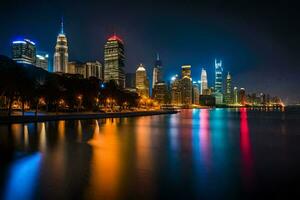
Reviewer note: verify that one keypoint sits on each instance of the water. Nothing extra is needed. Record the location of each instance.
(196, 154)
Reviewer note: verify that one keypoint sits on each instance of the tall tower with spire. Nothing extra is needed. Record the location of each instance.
(157, 71)
(61, 52)
(203, 81)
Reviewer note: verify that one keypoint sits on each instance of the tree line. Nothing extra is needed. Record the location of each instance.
(51, 92)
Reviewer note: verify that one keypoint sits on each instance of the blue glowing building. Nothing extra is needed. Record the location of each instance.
(24, 51)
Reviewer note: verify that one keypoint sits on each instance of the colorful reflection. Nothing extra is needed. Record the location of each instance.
(16, 130)
(205, 138)
(144, 156)
(43, 142)
(23, 177)
(79, 131)
(105, 163)
(26, 137)
(245, 143)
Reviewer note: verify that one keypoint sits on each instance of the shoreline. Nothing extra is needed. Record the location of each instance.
(80, 116)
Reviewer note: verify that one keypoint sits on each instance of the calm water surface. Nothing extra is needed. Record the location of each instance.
(196, 154)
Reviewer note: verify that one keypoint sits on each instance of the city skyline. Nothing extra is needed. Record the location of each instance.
(233, 47)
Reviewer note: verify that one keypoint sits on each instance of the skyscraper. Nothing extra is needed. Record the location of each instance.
(160, 92)
(242, 96)
(235, 95)
(42, 60)
(61, 55)
(142, 82)
(186, 85)
(157, 73)
(24, 51)
(228, 92)
(114, 61)
(218, 82)
(204, 85)
(196, 92)
(175, 91)
(218, 77)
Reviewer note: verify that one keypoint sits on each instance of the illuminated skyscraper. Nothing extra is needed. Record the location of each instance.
(218, 77)
(157, 73)
(24, 51)
(235, 95)
(218, 82)
(242, 96)
(203, 81)
(142, 82)
(114, 61)
(160, 92)
(61, 55)
(196, 92)
(175, 91)
(42, 60)
(186, 85)
(228, 92)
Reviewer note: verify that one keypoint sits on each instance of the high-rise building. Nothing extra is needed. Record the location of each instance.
(24, 51)
(218, 77)
(94, 69)
(76, 67)
(228, 92)
(196, 92)
(130, 80)
(176, 91)
(160, 92)
(42, 60)
(235, 95)
(157, 71)
(142, 82)
(114, 61)
(61, 56)
(186, 85)
(218, 82)
(242, 96)
(204, 85)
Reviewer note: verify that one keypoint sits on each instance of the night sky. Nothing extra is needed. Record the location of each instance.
(258, 42)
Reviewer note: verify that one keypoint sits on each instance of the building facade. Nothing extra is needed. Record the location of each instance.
(196, 92)
(77, 67)
(186, 85)
(142, 82)
(42, 60)
(242, 96)
(204, 85)
(160, 92)
(157, 71)
(114, 61)
(235, 96)
(176, 91)
(228, 91)
(94, 69)
(218, 93)
(61, 56)
(24, 51)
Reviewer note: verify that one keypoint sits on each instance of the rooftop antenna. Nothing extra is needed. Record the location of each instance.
(62, 25)
(157, 56)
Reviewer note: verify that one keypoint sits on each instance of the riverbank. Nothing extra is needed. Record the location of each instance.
(78, 116)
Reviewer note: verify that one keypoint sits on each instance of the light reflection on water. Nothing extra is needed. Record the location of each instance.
(207, 153)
